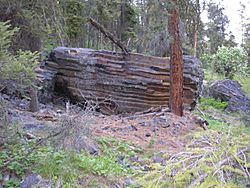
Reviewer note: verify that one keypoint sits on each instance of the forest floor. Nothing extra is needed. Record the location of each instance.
(121, 149)
(156, 129)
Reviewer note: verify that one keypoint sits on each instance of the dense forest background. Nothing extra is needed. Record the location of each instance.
(139, 24)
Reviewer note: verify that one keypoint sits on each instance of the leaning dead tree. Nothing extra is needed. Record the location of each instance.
(176, 62)
(109, 35)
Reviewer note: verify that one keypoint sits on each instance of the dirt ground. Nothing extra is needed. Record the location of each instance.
(161, 131)
(154, 130)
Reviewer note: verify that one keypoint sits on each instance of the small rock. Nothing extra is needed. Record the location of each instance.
(33, 127)
(93, 150)
(31, 181)
(59, 111)
(22, 106)
(134, 159)
(144, 124)
(129, 182)
(177, 125)
(154, 129)
(146, 168)
(165, 126)
(134, 128)
(160, 160)
(6, 176)
(106, 128)
(120, 159)
(159, 120)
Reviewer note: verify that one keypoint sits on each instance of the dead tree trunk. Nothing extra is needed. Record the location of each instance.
(34, 106)
(176, 63)
(109, 35)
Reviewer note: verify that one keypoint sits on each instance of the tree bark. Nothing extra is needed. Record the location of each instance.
(34, 106)
(196, 27)
(176, 62)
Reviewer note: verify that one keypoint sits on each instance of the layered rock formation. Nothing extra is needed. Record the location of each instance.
(120, 83)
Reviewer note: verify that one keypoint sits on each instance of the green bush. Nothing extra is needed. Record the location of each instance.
(227, 61)
(6, 34)
(21, 68)
(206, 103)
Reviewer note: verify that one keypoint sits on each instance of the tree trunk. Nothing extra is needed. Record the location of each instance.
(176, 63)
(196, 27)
(195, 41)
(34, 106)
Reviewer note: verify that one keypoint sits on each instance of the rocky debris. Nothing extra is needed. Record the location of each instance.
(230, 91)
(160, 160)
(129, 182)
(118, 83)
(35, 181)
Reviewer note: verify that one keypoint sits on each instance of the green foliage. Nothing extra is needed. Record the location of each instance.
(206, 103)
(216, 27)
(114, 147)
(21, 68)
(244, 81)
(74, 18)
(6, 34)
(15, 159)
(212, 159)
(54, 164)
(18, 68)
(227, 61)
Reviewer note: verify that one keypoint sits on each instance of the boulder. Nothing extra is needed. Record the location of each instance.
(230, 91)
(119, 83)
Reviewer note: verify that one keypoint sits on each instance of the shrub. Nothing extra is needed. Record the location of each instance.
(18, 69)
(227, 61)
(6, 34)
(205, 103)
(21, 68)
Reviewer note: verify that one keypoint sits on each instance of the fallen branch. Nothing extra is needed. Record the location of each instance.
(109, 35)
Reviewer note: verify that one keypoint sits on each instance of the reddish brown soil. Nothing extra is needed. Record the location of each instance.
(162, 132)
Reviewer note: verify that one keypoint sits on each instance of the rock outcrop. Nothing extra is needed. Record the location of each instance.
(119, 83)
(230, 91)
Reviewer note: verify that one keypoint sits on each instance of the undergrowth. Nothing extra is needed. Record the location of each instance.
(206, 103)
(55, 165)
(213, 158)
(217, 157)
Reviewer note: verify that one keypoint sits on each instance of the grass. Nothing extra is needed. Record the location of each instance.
(245, 82)
(68, 167)
(203, 162)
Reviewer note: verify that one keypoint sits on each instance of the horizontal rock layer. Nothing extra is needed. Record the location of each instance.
(120, 83)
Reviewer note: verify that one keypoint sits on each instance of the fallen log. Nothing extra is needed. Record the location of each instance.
(132, 84)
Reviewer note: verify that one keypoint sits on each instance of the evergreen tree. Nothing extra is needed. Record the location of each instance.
(216, 27)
